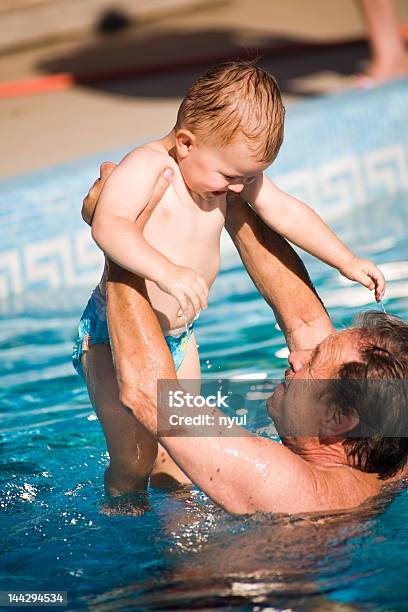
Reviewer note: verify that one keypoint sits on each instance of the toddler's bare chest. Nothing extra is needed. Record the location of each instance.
(175, 224)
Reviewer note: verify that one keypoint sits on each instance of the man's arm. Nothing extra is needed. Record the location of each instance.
(242, 473)
(279, 276)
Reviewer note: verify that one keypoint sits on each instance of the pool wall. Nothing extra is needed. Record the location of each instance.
(339, 152)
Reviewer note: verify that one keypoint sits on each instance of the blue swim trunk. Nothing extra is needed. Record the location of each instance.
(93, 329)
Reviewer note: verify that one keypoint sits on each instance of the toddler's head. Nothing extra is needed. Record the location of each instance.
(229, 128)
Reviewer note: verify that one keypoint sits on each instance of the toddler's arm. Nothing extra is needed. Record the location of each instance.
(301, 225)
(124, 196)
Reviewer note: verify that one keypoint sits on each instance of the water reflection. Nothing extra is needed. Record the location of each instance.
(182, 551)
(217, 560)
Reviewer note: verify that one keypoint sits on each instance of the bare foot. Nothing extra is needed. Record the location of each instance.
(382, 73)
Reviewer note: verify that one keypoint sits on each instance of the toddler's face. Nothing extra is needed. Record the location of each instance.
(210, 171)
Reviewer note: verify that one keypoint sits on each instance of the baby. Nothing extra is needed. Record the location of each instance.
(229, 129)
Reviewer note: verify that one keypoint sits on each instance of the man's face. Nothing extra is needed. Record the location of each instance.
(299, 406)
(212, 172)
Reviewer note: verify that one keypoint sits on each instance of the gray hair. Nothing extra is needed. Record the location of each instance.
(376, 389)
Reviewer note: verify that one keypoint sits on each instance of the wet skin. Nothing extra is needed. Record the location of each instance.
(244, 475)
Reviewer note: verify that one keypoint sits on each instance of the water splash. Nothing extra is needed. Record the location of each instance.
(381, 303)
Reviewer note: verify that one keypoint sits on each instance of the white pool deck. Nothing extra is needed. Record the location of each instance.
(50, 128)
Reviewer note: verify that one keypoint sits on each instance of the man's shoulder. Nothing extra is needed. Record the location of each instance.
(296, 486)
(288, 483)
(343, 488)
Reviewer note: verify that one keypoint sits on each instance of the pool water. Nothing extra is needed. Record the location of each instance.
(59, 532)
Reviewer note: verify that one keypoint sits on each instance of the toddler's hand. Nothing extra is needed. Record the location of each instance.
(365, 272)
(184, 284)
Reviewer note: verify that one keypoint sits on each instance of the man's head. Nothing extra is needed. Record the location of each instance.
(352, 392)
(229, 127)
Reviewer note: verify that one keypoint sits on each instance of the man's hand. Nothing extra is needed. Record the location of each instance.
(92, 197)
(297, 359)
(106, 169)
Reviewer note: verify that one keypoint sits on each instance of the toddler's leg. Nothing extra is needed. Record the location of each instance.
(165, 472)
(132, 450)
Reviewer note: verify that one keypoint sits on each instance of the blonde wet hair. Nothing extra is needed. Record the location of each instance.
(232, 100)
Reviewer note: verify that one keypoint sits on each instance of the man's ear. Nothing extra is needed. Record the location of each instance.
(184, 141)
(337, 424)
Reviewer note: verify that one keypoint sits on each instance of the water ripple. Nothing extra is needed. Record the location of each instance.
(180, 550)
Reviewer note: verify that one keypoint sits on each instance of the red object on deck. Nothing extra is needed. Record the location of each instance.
(62, 81)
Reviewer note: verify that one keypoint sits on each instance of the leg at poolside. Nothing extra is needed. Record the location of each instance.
(388, 56)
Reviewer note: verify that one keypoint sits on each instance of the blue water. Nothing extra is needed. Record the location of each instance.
(59, 532)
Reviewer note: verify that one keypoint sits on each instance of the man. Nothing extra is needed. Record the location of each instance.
(319, 466)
